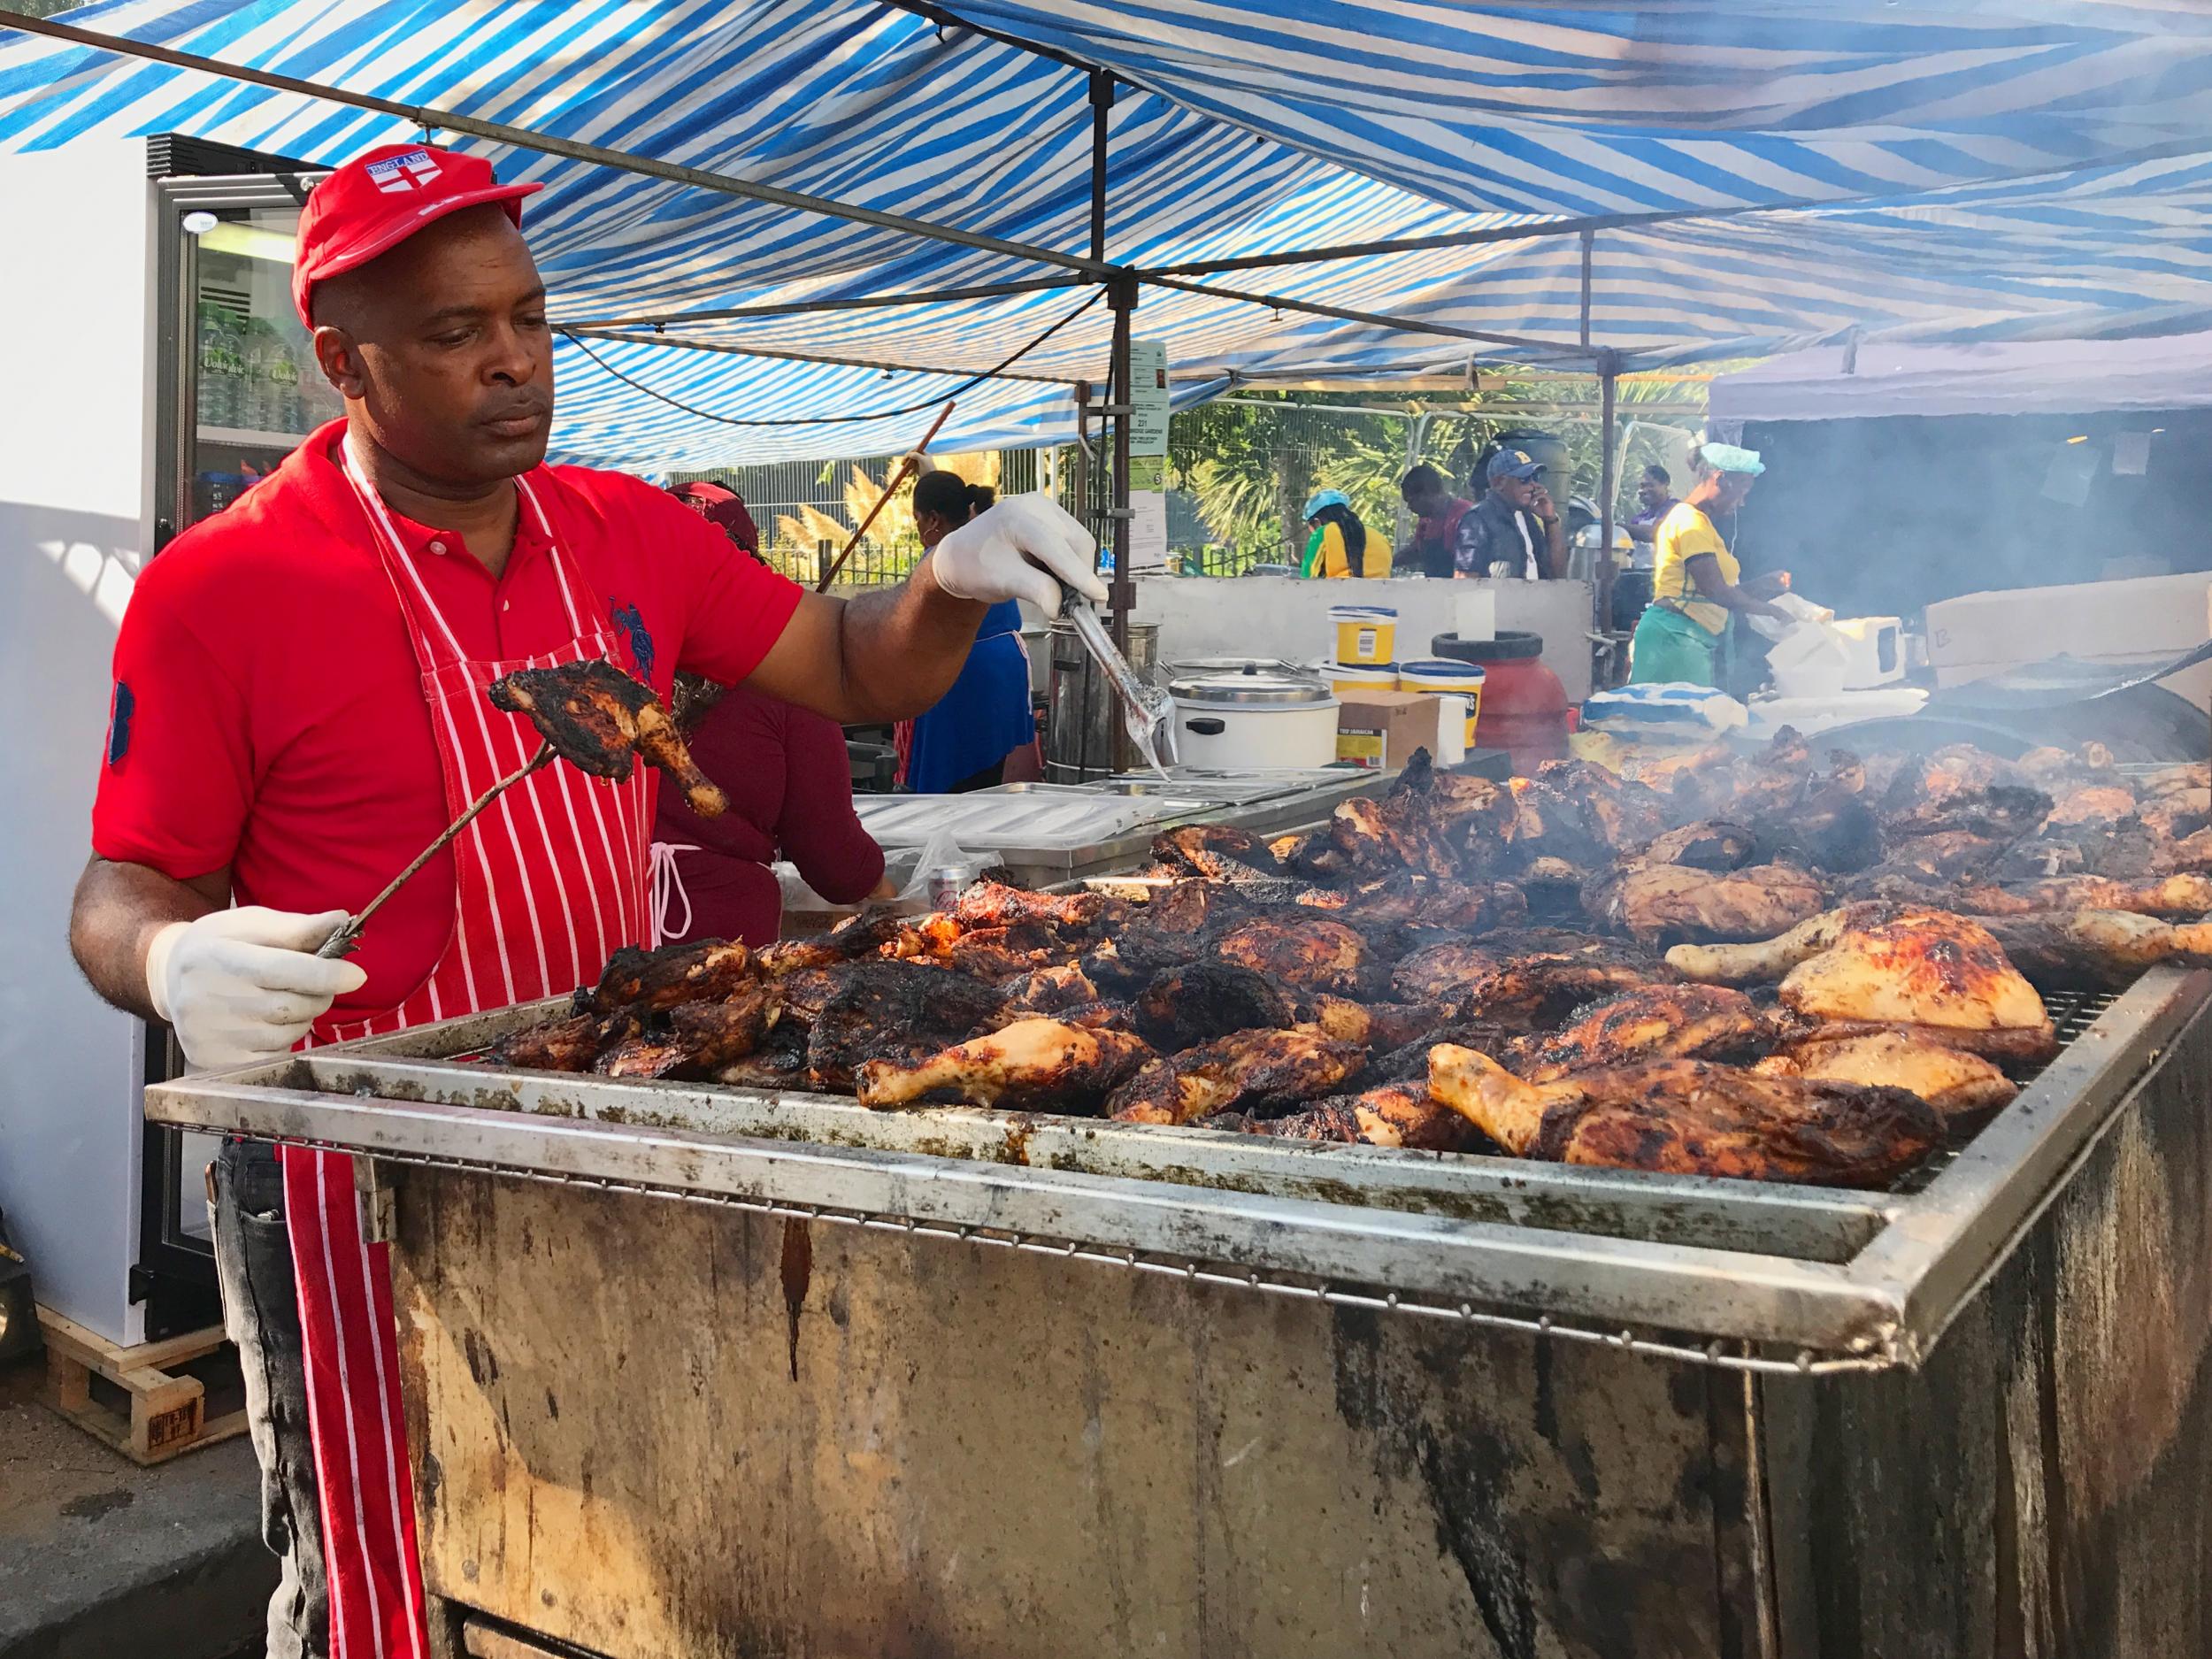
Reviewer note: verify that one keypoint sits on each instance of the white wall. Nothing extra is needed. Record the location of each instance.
(76, 408)
(1287, 617)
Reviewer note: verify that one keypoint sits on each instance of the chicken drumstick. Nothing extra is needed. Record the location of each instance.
(595, 718)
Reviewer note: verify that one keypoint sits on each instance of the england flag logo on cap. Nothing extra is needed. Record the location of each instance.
(397, 175)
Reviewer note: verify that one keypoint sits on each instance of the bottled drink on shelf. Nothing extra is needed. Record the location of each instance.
(230, 392)
(285, 414)
(213, 366)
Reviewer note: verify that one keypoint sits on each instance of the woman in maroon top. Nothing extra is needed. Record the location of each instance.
(791, 795)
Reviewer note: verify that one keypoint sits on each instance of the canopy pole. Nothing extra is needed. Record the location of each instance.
(1589, 242)
(1123, 594)
(1608, 486)
(1101, 105)
(1082, 497)
(1079, 484)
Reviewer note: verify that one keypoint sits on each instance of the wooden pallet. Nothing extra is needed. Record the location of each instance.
(138, 1400)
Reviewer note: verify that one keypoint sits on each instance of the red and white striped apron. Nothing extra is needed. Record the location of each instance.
(551, 881)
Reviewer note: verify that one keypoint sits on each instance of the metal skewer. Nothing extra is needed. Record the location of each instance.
(342, 943)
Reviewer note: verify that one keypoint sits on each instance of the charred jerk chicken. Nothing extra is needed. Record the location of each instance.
(1784, 966)
(597, 718)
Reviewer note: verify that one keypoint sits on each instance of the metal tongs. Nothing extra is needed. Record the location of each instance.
(1147, 713)
(343, 943)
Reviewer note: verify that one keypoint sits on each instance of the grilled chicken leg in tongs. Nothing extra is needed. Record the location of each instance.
(591, 715)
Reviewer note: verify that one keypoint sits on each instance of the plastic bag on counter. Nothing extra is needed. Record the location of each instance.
(796, 895)
(1802, 613)
(1648, 706)
(911, 871)
(1810, 660)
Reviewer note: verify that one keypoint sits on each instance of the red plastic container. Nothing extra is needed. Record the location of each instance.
(1523, 705)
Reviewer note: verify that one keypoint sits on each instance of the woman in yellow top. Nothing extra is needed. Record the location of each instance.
(1339, 544)
(1684, 633)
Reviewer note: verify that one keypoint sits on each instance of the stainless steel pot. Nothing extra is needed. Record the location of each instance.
(1084, 738)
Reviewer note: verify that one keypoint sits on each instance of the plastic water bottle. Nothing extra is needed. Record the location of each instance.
(230, 390)
(285, 414)
(211, 371)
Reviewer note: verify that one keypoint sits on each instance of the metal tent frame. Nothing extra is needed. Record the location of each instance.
(1123, 284)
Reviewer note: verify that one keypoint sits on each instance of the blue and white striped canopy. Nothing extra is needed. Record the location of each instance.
(1954, 169)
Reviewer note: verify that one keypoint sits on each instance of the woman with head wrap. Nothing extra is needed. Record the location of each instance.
(724, 508)
(1683, 636)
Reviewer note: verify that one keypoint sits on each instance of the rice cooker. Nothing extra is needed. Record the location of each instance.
(1253, 717)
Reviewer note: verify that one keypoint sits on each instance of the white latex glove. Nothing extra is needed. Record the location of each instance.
(1024, 548)
(244, 985)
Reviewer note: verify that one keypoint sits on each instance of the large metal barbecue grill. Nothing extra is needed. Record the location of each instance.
(1240, 1396)
(1750, 1276)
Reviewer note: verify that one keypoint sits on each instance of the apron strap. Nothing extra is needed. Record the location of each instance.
(560, 561)
(399, 570)
(407, 584)
(668, 888)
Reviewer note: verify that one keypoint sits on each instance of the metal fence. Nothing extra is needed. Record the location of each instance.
(806, 509)
(1240, 473)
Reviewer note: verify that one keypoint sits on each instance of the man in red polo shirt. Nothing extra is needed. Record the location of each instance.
(299, 709)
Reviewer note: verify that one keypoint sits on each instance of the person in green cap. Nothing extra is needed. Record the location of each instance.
(1683, 637)
(1338, 544)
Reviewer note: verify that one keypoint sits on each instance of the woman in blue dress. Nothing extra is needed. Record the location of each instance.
(985, 721)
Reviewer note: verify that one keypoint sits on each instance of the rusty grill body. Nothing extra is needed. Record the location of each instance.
(696, 1370)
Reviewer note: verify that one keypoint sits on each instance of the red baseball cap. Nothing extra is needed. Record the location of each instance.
(376, 201)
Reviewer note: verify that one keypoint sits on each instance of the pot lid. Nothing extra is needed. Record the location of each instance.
(1262, 685)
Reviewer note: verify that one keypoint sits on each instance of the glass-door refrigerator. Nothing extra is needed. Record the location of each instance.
(236, 387)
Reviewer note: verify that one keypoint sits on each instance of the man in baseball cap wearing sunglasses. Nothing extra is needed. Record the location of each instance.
(299, 708)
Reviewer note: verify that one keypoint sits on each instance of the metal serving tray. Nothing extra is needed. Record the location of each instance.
(1764, 1277)
(1049, 832)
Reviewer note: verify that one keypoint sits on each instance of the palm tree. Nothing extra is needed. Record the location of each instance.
(892, 547)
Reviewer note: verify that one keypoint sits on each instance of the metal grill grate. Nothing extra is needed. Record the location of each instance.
(2072, 1013)
(1841, 1279)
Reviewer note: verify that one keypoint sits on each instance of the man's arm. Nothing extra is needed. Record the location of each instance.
(118, 908)
(1553, 564)
(1471, 546)
(237, 985)
(883, 656)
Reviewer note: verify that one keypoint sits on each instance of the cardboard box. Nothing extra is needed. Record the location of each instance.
(2144, 620)
(1381, 729)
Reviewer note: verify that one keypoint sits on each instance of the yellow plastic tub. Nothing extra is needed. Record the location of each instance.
(1449, 679)
(1365, 633)
(1348, 678)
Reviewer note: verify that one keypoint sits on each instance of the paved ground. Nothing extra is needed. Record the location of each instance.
(100, 1559)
